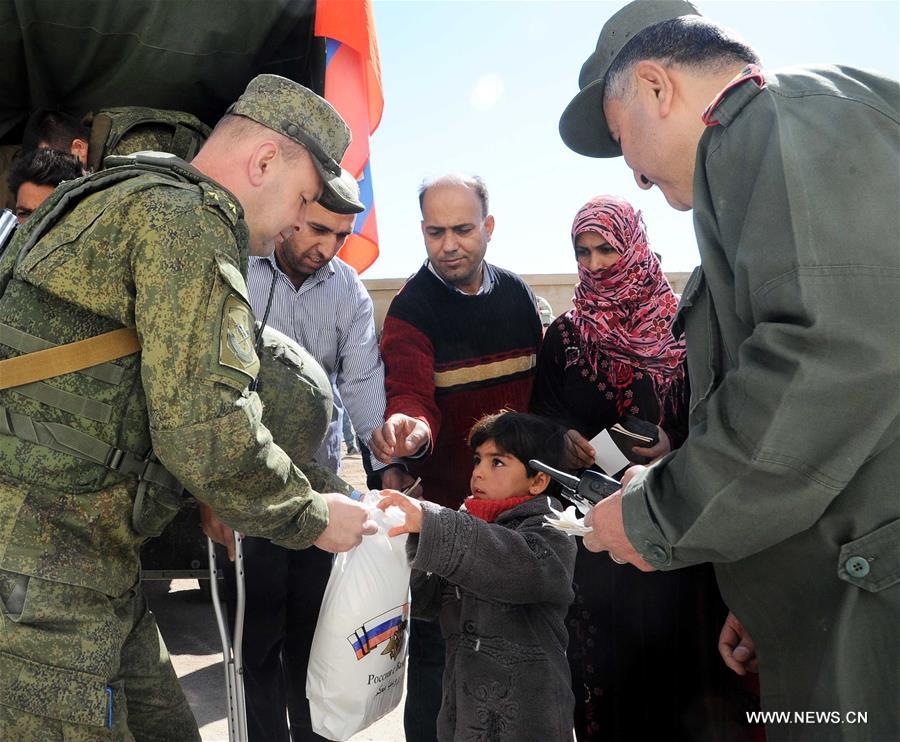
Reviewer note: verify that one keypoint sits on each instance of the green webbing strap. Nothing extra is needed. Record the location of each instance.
(68, 440)
(42, 392)
(57, 436)
(16, 339)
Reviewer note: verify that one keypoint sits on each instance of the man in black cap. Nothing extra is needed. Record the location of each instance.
(788, 479)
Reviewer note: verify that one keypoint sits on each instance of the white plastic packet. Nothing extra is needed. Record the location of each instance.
(567, 521)
(357, 664)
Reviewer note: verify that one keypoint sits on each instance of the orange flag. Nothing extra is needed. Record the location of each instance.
(353, 87)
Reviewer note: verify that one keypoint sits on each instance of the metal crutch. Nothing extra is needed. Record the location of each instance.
(232, 647)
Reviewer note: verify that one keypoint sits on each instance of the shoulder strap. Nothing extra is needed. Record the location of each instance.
(119, 168)
(65, 359)
(63, 199)
(100, 128)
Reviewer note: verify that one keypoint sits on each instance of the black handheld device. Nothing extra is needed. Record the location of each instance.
(584, 491)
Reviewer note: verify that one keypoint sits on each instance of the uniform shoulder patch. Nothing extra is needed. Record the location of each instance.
(236, 341)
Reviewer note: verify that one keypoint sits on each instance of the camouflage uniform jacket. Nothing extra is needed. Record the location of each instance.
(164, 255)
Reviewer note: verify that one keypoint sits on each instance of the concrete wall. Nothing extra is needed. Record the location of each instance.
(556, 288)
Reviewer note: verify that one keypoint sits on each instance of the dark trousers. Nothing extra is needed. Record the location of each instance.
(424, 674)
(284, 591)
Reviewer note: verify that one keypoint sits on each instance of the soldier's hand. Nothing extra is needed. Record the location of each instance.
(401, 435)
(736, 647)
(608, 533)
(216, 529)
(348, 522)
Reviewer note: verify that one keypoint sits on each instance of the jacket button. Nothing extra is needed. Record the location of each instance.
(658, 553)
(857, 566)
(469, 627)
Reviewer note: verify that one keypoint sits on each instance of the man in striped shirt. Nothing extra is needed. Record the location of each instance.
(309, 294)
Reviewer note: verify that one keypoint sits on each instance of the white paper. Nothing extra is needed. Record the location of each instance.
(607, 453)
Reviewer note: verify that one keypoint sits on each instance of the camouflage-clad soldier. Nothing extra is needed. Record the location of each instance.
(160, 248)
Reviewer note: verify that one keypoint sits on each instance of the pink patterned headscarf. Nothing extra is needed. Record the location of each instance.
(624, 313)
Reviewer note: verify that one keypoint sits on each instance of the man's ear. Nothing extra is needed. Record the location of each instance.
(79, 148)
(489, 226)
(654, 80)
(539, 482)
(262, 158)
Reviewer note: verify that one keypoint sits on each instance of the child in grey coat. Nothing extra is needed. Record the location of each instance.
(501, 584)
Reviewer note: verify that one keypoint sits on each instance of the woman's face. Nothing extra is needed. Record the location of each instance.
(594, 253)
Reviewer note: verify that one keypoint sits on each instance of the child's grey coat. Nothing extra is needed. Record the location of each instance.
(501, 591)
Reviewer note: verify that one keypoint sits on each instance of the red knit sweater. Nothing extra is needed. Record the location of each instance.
(451, 358)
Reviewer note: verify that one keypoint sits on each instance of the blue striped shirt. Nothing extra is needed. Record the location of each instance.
(331, 316)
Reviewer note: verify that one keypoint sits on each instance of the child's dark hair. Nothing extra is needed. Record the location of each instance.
(524, 436)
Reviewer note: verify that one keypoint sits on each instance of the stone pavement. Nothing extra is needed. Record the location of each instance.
(188, 625)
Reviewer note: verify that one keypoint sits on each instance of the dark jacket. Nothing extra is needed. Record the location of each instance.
(788, 480)
(444, 364)
(501, 591)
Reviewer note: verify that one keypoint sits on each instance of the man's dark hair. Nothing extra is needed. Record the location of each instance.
(43, 167)
(691, 41)
(524, 436)
(469, 181)
(53, 129)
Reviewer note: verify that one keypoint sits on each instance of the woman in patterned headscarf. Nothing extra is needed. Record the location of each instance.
(642, 647)
(618, 340)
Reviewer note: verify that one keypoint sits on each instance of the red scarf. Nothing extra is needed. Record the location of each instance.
(624, 313)
(488, 510)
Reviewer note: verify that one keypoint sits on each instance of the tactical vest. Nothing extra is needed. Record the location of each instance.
(88, 430)
(123, 131)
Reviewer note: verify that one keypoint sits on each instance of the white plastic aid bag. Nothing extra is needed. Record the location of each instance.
(357, 663)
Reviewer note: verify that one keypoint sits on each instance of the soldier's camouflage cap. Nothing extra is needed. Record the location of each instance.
(298, 113)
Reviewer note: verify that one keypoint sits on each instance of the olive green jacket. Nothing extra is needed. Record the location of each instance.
(789, 479)
(164, 255)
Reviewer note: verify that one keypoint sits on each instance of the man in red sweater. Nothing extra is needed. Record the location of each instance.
(460, 341)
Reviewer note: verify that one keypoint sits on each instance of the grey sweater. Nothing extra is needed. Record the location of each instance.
(501, 591)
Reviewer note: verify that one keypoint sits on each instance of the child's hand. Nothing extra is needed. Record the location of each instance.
(411, 508)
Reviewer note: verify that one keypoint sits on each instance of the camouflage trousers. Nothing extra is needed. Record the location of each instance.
(80, 666)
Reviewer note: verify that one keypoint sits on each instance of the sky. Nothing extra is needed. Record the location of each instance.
(478, 87)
